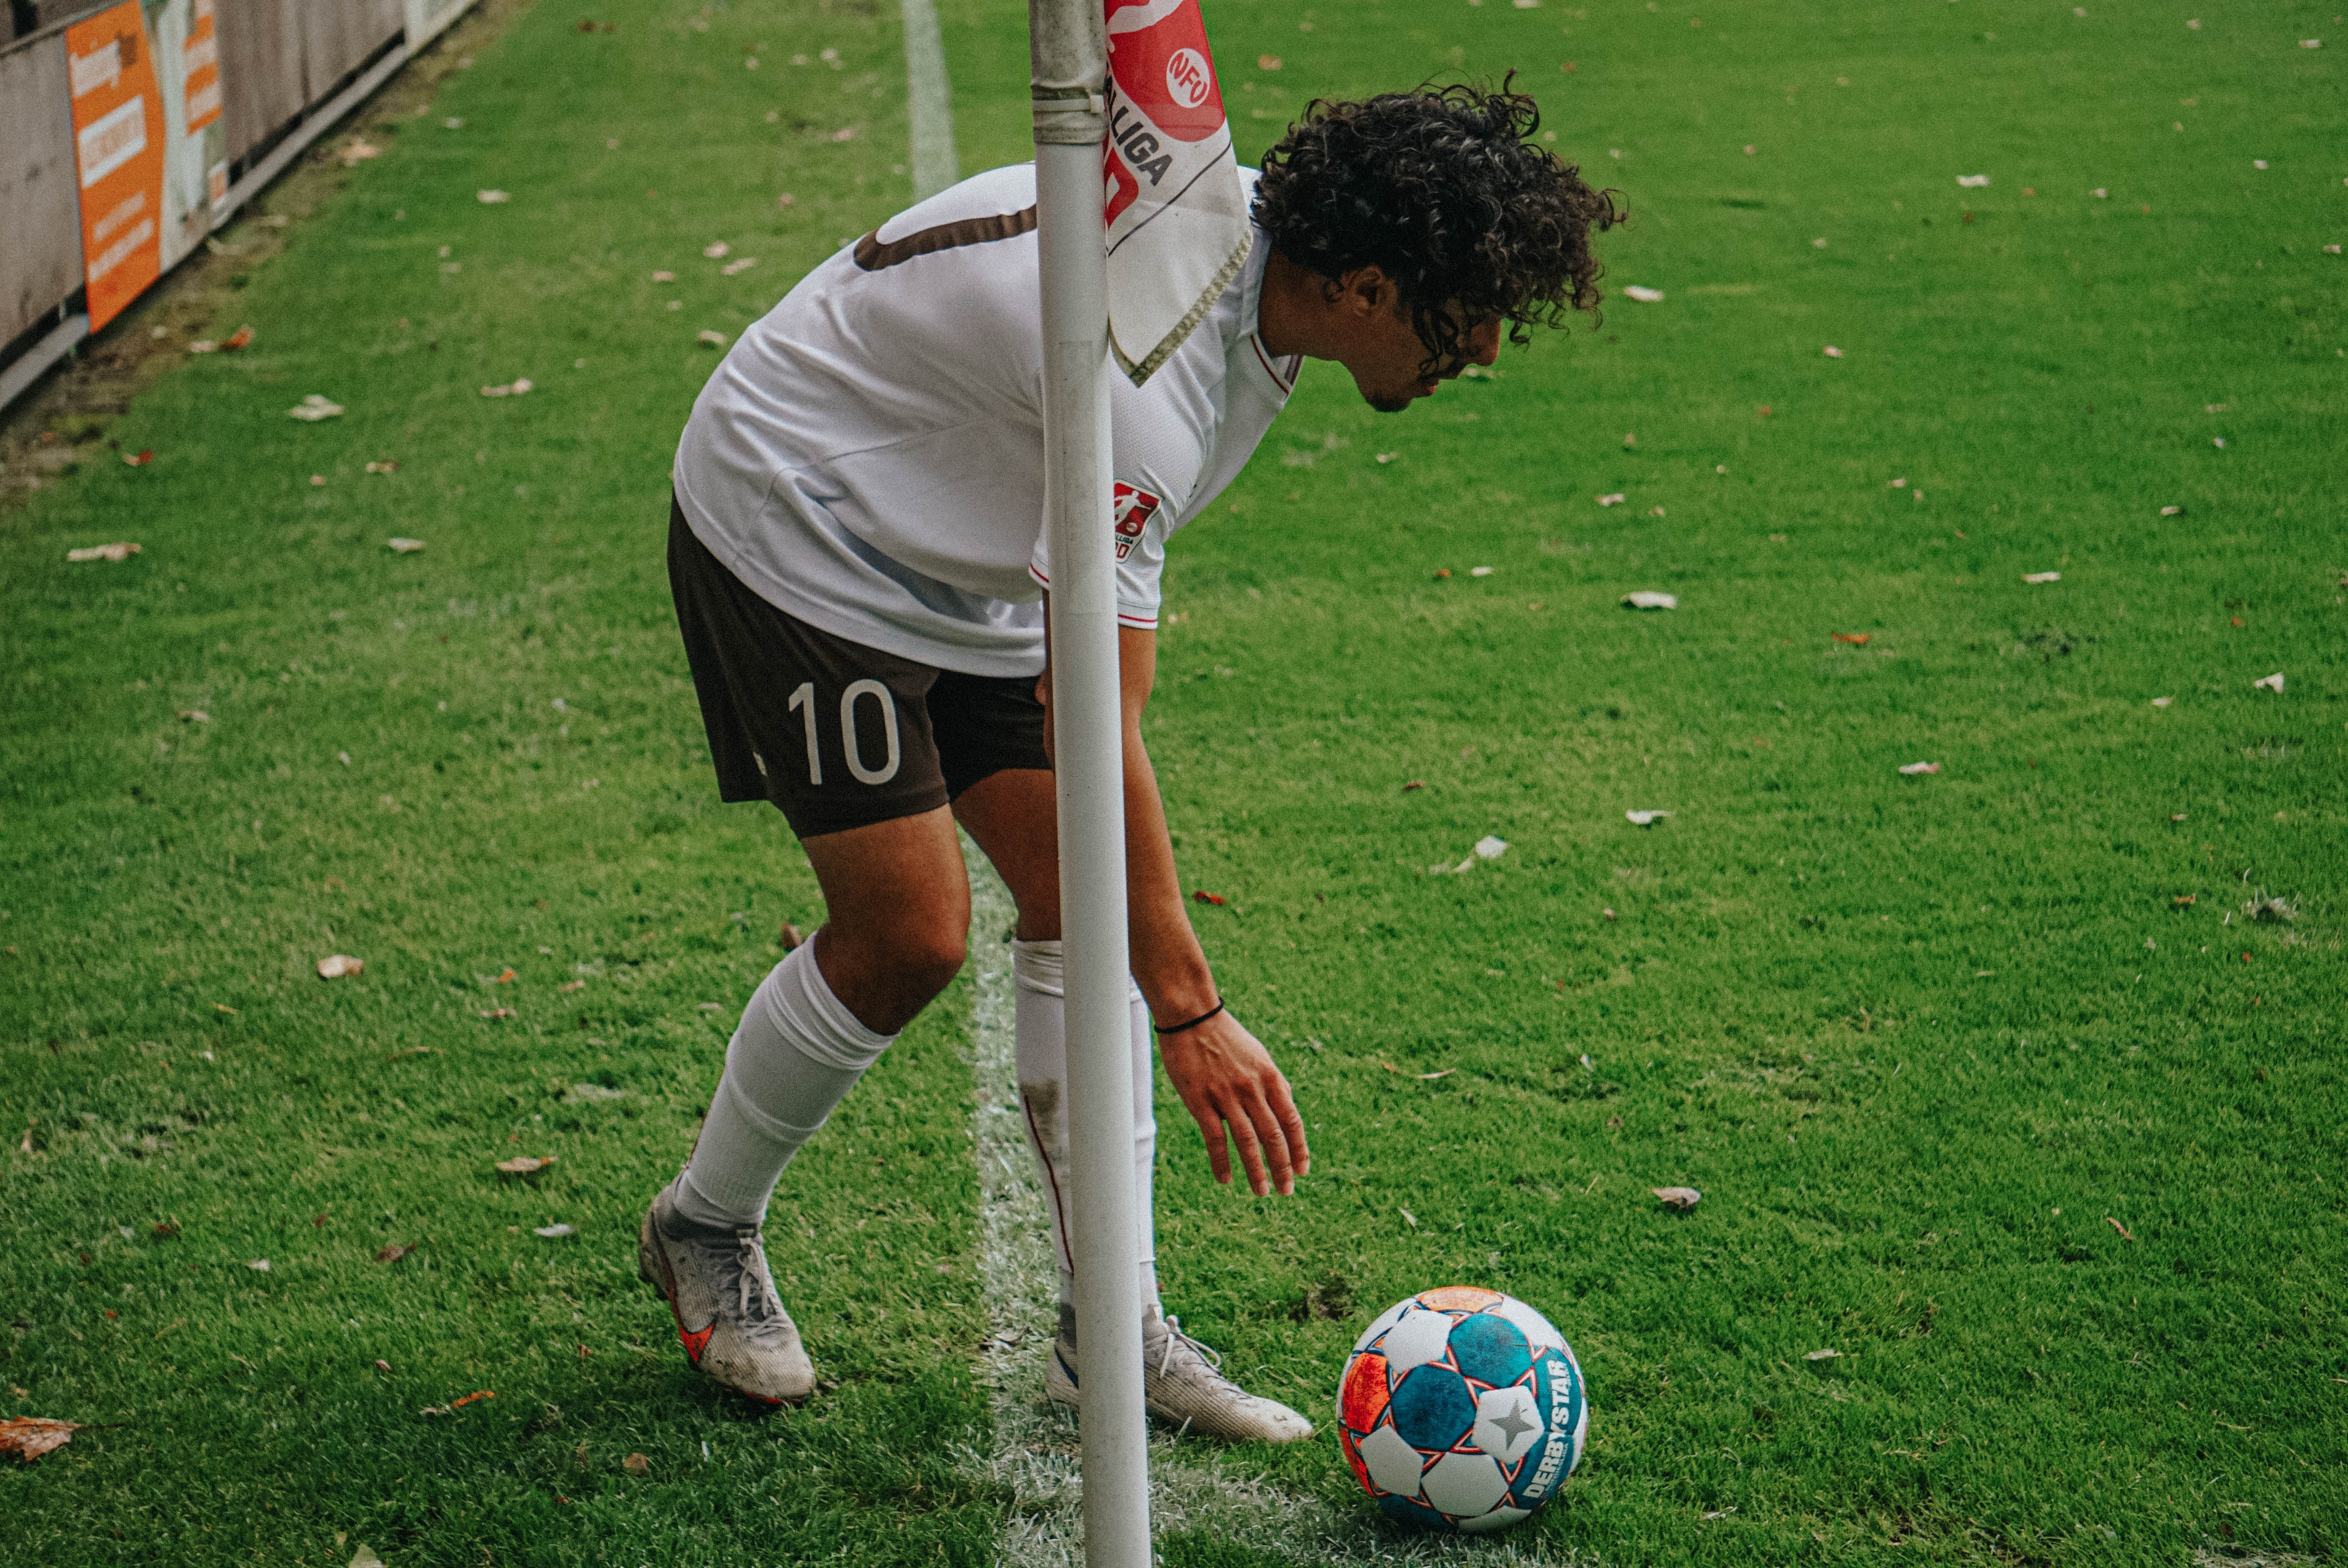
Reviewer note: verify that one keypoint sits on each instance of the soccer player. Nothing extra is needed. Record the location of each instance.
(856, 549)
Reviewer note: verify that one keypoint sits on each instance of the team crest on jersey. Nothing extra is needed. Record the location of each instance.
(1134, 509)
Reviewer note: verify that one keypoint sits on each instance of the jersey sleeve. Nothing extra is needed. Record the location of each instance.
(1141, 521)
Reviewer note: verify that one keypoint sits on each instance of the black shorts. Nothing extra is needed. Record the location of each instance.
(837, 734)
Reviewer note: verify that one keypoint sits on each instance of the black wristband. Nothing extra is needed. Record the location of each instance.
(1166, 1029)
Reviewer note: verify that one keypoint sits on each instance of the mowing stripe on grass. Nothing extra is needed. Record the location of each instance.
(929, 103)
(1035, 1450)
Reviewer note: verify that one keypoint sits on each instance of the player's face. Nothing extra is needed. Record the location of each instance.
(1393, 371)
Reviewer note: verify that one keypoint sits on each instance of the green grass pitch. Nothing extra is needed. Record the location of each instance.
(1926, 1042)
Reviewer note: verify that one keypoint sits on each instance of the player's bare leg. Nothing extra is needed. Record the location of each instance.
(899, 909)
(1013, 817)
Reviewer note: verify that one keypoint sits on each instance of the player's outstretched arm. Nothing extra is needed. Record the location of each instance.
(1226, 1078)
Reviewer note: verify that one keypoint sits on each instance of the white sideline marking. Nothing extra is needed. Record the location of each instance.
(929, 101)
(1034, 1449)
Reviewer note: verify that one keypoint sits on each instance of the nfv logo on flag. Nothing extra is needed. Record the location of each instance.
(1178, 222)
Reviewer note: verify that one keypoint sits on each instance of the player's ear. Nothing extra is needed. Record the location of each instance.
(1367, 291)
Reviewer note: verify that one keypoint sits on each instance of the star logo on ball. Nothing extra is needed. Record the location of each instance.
(1513, 1425)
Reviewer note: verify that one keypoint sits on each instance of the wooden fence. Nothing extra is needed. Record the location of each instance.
(289, 70)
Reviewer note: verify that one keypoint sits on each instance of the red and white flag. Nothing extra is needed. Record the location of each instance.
(1178, 221)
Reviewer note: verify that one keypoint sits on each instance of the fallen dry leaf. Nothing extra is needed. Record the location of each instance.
(525, 1165)
(569, 986)
(554, 1232)
(1614, 500)
(497, 1013)
(365, 1556)
(313, 408)
(2119, 1227)
(334, 966)
(384, 466)
(1608, 913)
(1913, 768)
(789, 936)
(514, 388)
(356, 150)
(714, 339)
(506, 978)
(2273, 682)
(2171, 511)
(1680, 1198)
(2183, 900)
(26, 1438)
(480, 1394)
(636, 1464)
(2042, 576)
(1823, 1356)
(138, 459)
(1203, 897)
(1856, 639)
(490, 198)
(1410, 784)
(1408, 1218)
(404, 546)
(258, 1265)
(194, 716)
(663, 276)
(1831, 351)
(1645, 818)
(114, 552)
(1645, 296)
(1972, 181)
(739, 265)
(2162, 702)
(1647, 599)
(395, 1252)
(715, 250)
(1479, 571)
(1422, 1077)
(1267, 62)
(239, 339)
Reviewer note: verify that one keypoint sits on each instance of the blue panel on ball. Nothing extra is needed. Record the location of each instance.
(1490, 1349)
(1433, 1407)
(1411, 1513)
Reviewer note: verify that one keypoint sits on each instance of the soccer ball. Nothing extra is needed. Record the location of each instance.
(1462, 1409)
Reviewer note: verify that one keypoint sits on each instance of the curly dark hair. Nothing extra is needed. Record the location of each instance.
(1439, 190)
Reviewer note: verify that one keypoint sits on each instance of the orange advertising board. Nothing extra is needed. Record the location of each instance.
(200, 68)
(119, 139)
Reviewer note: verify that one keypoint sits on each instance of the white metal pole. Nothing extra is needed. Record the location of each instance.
(1069, 56)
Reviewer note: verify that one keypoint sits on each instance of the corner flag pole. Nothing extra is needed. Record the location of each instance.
(1068, 52)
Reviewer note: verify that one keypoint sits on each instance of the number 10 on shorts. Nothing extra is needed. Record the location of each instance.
(803, 703)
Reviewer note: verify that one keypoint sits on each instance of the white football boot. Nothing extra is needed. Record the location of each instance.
(728, 1318)
(1182, 1384)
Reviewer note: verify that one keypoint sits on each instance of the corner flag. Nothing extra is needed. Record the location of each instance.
(1178, 225)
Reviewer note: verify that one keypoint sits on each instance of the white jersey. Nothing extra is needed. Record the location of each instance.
(869, 457)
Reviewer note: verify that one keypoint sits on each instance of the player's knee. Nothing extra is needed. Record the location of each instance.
(929, 959)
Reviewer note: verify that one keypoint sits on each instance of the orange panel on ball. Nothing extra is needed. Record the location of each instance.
(1363, 1399)
(1460, 1298)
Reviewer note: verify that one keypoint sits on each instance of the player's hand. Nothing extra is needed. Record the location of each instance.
(1225, 1077)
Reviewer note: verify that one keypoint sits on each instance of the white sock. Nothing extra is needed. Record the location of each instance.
(1041, 1030)
(796, 1052)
